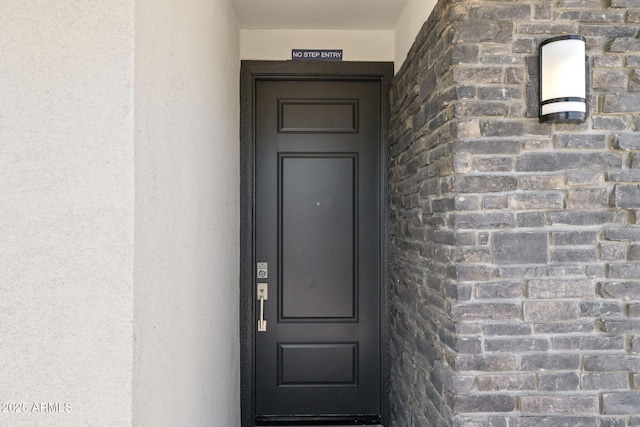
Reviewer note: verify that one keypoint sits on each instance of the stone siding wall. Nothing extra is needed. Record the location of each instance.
(515, 246)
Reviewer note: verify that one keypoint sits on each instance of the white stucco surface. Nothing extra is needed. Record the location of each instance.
(357, 45)
(413, 16)
(186, 348)
(66, 212)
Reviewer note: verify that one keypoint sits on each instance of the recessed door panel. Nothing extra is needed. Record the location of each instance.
(318, 364)
(318, 115)
(318, 241)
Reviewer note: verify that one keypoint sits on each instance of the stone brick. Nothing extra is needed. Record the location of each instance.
(609, 122)
(483, 220)
(608, 80)
(549, 271)
(511, 128)
(622, 403)
(581, 141)
(586, 218)
(611, 363)
(605, 381)
(627, 141)
(505, 329)
(547, 28)
(540, 182)
(580, 198)
(619, 326)
(573, 255)
(469, 345)
(634, 253)
(520, 248)
(516, 345)
(472, 254)
(574, 237)
(624, 271)
(608, 61)
(465, 53)
(480, 31)
(466, 92)
(599, 308)
(612, 422)
(499, 93)
(634, 80)
(560, 404)
(583, 327)
(623, 103)
(633, 310)
(551, 311)
(524, 46)
(559, 420)
(554, 161)
(585, 178)
(484, 183)
(479, 108)
(558, 381)
(484, 403)
(494, 202)
(508, 12)
(477, 74)
(619, 290)
(485, 311)
(499, 290)
(624, 44)
(507, 381)
(472, 273)
(513, 75)
(609, 31)
(580, 4)
(588, 343)
(588, 16)
(625, 3)
(531, 219)
(465, 421)
(624, 176)
(485, 362)
(561, 288)
(627, 196)
(488, 146)
(537, 200)
(623, 234)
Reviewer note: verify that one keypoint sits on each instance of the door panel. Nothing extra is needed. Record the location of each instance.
(318, 274)
(317, 223)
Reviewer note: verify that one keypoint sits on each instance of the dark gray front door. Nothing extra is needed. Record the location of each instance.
(317, 227)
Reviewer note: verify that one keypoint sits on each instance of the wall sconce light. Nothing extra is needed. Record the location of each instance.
(563, 75)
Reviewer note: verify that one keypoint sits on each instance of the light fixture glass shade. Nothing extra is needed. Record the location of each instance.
(563, 87)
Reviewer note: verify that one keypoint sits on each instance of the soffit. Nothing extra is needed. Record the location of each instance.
(318, 14)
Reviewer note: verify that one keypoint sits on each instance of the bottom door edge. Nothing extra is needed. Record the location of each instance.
(317, 420)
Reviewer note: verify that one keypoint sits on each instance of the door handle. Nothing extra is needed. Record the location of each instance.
(263, 295)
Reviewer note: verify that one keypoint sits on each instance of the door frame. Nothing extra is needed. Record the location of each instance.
(250, 72)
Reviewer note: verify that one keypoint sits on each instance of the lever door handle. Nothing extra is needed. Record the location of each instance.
(263, 295)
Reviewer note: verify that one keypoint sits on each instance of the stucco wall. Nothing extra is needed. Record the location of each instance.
(413, 16)
(66, 212)
(186, 357)
(276, 45)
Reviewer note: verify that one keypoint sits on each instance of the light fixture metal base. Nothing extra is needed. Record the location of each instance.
(564, 117)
